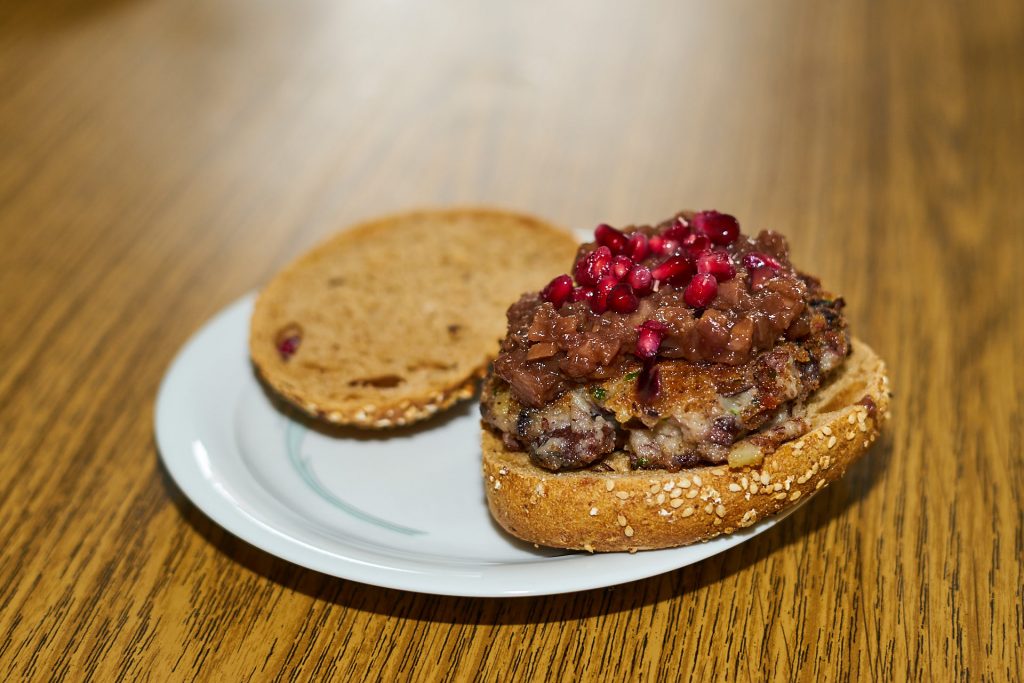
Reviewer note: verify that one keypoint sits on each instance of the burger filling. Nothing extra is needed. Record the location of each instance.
(669, 343)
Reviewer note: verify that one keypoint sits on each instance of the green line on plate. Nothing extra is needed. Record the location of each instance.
(293, 437)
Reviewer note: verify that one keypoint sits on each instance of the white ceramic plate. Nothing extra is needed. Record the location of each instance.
(401, 509)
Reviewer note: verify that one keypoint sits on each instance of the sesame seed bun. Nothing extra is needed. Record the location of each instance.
(396, 318)
(648, 509)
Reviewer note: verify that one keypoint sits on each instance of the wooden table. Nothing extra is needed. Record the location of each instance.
(159, 158)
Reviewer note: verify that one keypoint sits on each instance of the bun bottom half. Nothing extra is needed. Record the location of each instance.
(650, 509)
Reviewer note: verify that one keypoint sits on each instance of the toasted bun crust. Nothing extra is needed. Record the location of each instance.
(398, 317)
(644, 510)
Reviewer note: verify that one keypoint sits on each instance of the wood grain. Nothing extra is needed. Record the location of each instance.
(159, 158)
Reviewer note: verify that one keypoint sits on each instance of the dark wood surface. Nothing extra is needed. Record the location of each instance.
(158, 159)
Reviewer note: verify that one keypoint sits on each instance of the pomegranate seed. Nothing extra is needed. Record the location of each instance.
(621, 265)
(760, 277)
(610, 237)
(640, 280)
(592, 267)
(599, 302)
(696, 244)
(716, 263)
(649, 338)
(558, 290)
(581, 294)
(622, 299)
(757, 259)
(637, 247)
(288, 346)
(721, 228)
(701, 290)
(672, 267)
(663, 246)
(677, 231)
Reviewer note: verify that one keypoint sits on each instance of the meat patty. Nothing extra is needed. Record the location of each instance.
(697, 412)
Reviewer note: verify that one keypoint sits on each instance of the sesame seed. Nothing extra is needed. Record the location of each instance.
(744, 483)
(849, 437)
(669, 486)
(629, 531)
(676, 503)
(801, 479)
(780, 496)
(753, 488)
(863, 427)
(687, 512)
(718, 522)
(503, 471)
(729, 529)
(718, 472)
(796, 494)
(593, 512)
(654, 488)
(621, 495)
(676, 493)
(866, 444)
(539, 489)
(826, 430)
(798, 446)
(684, 482)
(852, 418)
(697, 480)
(660, 498)
(709, 508)
(621, 520)
(821, 482)
(589, 548)
(777, 486)
(692, 493)
(497, 485)
(735, 487)
(766, 478)
(609, 485)
(831, 441)
(720, 511)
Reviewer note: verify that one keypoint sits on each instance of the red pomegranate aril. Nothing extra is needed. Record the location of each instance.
(649, 338)
(677, 231)
(621, 265)
(760, 276)
(288, 346)
(663, 246)
(581, 294)
(671, 267)
(696, 244)
(721, 228)
(622, 299)
(593, 266)
(701, 291)
(717, 263)
(637, 247)
(599, 302)
(757, 259)
(640, 280)
(609, 237)
(558, 290)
